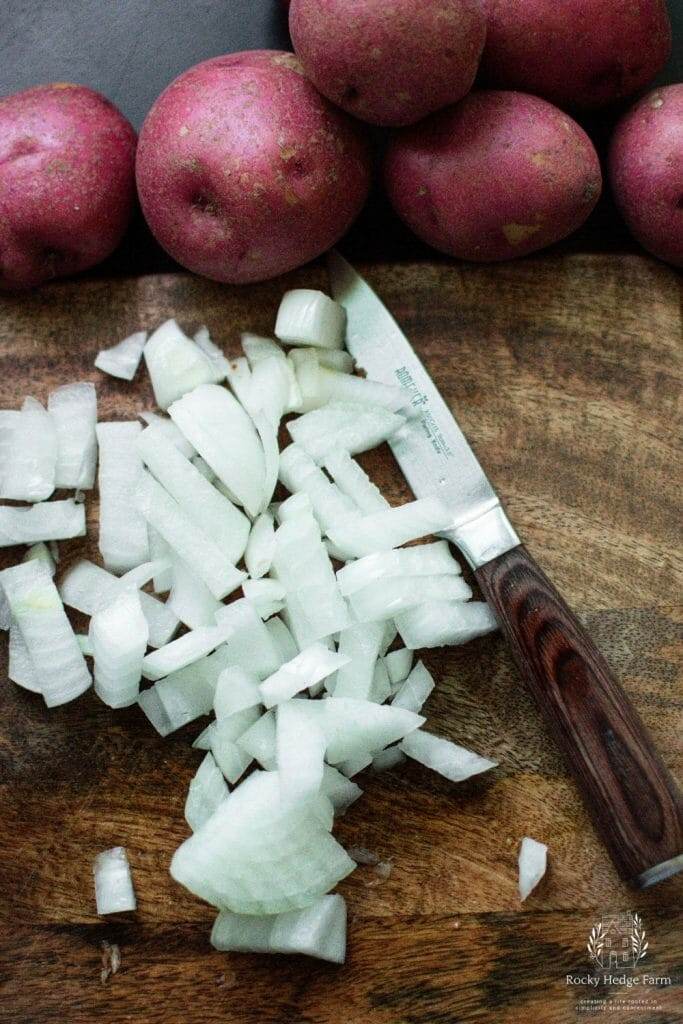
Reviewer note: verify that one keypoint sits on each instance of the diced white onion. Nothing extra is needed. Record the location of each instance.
(283, 639)
(185, 695)
(248, 641)
(73, 409)
(533, 859)
(354, 482)
(353, 728)
(318, 930)
(307, 668)
(423, 560)
(207, 790)
(259, 740)
(232, 759)
(42, 552)
(38, 611)
(190, 598)
(300, 750)
(28, 471)
(333, 358)
(258, 556)
(415, 690)
(20, 668)
(353, 427)
(448, 759)
(355, 765)
(294, 507)
(213, 353)
(267, 596)
(340, 790)
(445, 623)
(384, 530)
(180, 653)
(381, 687)
(389, 597)
(119, 635)
(298, 472)
(173, 433)
(123, 531)
(309, 317)
(320, 385)
(48, 520)
(398, 665)
(236, 690)
(113, 882)
(388, 759)
(122, 360)
(360, 644)
(175, 364)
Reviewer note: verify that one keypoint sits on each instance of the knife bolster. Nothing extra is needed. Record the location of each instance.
(485, 537)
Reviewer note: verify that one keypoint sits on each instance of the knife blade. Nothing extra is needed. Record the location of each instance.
(431, 449)
(632, 798)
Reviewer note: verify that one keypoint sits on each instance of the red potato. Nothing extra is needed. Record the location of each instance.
(499, 175)
(67, 184)
(576, 53)
(245, 172)
(646, 170)
(390, 62)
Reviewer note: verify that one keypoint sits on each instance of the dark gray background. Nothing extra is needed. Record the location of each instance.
(131, 49)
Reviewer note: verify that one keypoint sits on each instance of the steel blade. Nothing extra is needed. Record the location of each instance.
(431, 449)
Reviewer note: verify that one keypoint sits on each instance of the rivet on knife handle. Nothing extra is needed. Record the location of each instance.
(633, 800)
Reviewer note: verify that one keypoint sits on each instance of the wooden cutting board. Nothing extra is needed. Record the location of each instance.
(565, 374)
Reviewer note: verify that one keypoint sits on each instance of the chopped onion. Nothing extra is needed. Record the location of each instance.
(216, 425)
(207, 790)
(300, 750)
(445, 623)
(122, 360)
(298, 472)
(188, 541)
(415, 690)
(213, 353)
(332, 358)
(270, 388)
(113, 882)
(453, 762)
(355, 765)
(384, 530)
(20, 669)
(232, 759)
(73, 409)
(38, 611)
(354, 728)
(29, 468)
(533, 859)
(258, 556)
(381, 687)
(173, 433)
(184, 695)
(190, 598)
(258, 349)
(119, 635)
(360, 645)
(387, 759)
(340, 790)
(236, 690)
(48, 520)
(267, 596)
(318, 930)
(307, 668)
(295, 506)
(42, 552)
(320, 385)
(88, 588)
(259, 740)
(309, 317)
(355, 428)
(236, 863)
(354, 482)
(390, 634)
(180, 653)
(218, 518)
(423, 560)
(398, 665)
(123, 531)
(283, 639)
(248, 641)
(175, 364)
(389, 597)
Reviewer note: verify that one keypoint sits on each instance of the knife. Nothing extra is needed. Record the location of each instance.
(633, 800)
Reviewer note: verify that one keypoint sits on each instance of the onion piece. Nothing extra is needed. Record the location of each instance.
(20, 668)
(259, 740)
(88, 588)
(307, 668)
(119, 635)
(348, 425)
(114, 892)
(387, 759)
(353, 728)
(270, 388)
(354, 482)
(390, 634)
(258, 556)
(172, 433)
(320, 385)
(38, 611)
(267, 596)
(309, 317)
(190, 598)
(223, 524)
(48, 520)
(232, 759)
(29, 468)
(175, 364)
(300, 751)
(224, 435)
(213, 353)
(533, 860)
(423, 560)
(398, 665)
(296, 506)
(384, 530)
(236, 690)
(332, 358)
(185, 695)
(360, 645)
(42, 552)
(283, 639)
(389, 597)
(415, 690)
(445, 623)
(210, 563)
(258, 349)
(355, 765)
(183, 651)
(318, 930)
(340, 790)
(248, 641)
(73, 409)
(448, 759)
(236, 863)
(207, 790)
(381, 687)
(298, 472)
(123, 531)
(122, 360)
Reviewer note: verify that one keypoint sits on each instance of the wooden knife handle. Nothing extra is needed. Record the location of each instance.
(633, 800)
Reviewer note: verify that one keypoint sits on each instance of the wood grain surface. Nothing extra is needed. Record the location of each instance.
(565, 374)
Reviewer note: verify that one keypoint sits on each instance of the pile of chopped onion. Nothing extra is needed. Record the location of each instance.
(307, 672)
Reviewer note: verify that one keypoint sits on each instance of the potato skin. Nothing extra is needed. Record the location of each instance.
(646, 172)
(245, 172)
(498, 175)
(67, 183)
(579, 54)
(389, 62)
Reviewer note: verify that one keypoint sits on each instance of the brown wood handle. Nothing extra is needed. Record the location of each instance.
(634, 802)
